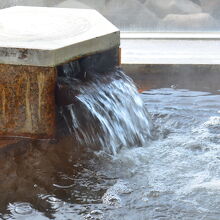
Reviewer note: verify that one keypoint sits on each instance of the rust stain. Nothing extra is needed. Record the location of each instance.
(27, 102)
(28, 121)
(3, 104)
(41, 82)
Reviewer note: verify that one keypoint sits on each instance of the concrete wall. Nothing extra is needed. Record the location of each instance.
(192, 77)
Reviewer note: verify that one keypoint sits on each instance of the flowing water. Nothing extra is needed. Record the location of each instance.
(175, 175)
(107, 112)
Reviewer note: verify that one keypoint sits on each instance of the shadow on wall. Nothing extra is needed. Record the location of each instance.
(145, 15)
(192, 77)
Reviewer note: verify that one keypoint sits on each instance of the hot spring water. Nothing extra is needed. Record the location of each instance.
(176, 175)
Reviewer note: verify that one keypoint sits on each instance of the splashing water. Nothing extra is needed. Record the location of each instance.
(106, 111)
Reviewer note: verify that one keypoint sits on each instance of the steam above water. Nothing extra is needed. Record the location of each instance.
(107, 112)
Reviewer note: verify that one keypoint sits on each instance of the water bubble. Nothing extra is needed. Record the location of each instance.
(96, 212)
(120, 187)
(52, 200)
(56, 203)
(63, 187)
(111, 199)
(20, 208)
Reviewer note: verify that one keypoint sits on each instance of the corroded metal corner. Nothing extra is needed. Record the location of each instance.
(27, 102)
(30, 59)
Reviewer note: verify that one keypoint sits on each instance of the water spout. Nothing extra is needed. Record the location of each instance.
(104, 111)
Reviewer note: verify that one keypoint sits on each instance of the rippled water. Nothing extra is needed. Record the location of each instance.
(175, 176)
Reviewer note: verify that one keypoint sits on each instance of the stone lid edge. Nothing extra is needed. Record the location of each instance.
(51, 58)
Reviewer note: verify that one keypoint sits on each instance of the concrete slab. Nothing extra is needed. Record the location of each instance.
(170, 48)
(40, 36)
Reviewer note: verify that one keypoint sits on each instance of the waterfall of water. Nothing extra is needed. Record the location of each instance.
(104, 111)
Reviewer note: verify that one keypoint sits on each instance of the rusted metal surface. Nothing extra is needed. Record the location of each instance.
(27, 103)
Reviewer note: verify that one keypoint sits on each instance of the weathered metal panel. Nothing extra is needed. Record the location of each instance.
(27, 103)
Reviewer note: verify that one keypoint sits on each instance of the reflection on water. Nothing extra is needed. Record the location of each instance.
(176, 176)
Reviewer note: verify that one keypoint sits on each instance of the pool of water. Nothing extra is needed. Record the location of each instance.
(174, 176)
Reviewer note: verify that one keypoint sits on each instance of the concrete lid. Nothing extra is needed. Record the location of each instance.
(41, 36)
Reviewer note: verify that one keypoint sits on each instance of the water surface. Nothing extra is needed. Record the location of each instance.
(174, 176)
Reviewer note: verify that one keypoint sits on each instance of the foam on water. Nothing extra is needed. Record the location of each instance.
(177, 176)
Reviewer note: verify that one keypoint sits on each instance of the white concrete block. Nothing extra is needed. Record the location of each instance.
(172, 48)
(40, 36)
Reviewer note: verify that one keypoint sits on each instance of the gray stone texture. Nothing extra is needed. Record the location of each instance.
(130, 14)
(187, 22)
(155, 15)
(71, 4)
(93, 4)
(164, 7)
(212, 7)
(124, 14)
(146, 15)
(9, 3)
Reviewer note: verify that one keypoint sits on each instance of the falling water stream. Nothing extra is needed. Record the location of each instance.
(107, 112)
(129, 173)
